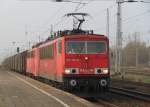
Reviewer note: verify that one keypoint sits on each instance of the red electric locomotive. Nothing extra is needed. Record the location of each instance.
(32, 67)
(77, 59)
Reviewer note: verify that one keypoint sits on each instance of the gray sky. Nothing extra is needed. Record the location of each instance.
(36, 17)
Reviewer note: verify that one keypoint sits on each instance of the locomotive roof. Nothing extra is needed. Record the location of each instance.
(67, 33)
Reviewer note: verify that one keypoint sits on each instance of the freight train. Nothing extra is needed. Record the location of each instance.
(76, 59)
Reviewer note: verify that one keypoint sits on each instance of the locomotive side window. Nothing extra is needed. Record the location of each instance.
(41, 53)
(51, 51)
(60, 47)
(47, 52)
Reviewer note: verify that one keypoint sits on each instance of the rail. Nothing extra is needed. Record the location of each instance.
(130, 93)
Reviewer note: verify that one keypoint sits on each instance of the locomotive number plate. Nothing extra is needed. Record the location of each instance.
(87, 71)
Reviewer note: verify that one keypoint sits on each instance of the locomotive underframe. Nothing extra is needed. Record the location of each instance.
(87, 84)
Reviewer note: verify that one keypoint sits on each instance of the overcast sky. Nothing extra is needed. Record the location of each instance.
(36, 17)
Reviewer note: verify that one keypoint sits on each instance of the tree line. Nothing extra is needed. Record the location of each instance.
(134, 53)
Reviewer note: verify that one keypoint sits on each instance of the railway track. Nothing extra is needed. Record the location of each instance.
(106, 103)
(131, 93)
(120, 97)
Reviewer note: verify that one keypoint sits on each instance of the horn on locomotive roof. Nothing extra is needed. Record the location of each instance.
(80, 17)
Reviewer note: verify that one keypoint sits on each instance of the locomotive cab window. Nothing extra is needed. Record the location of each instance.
(96, 47)
(85, 47)
(75, 47)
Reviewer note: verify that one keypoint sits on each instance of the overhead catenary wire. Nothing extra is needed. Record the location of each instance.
(145, 1)
(81, 5)
(52, 17)
(54, 25)
(79, 9)
(135, 16)
(72, 1)
(125, 21)
(63, 18)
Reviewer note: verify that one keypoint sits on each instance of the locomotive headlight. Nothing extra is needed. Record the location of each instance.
(105, 71)
(67, 71)
(98, 71)
(72, 71)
